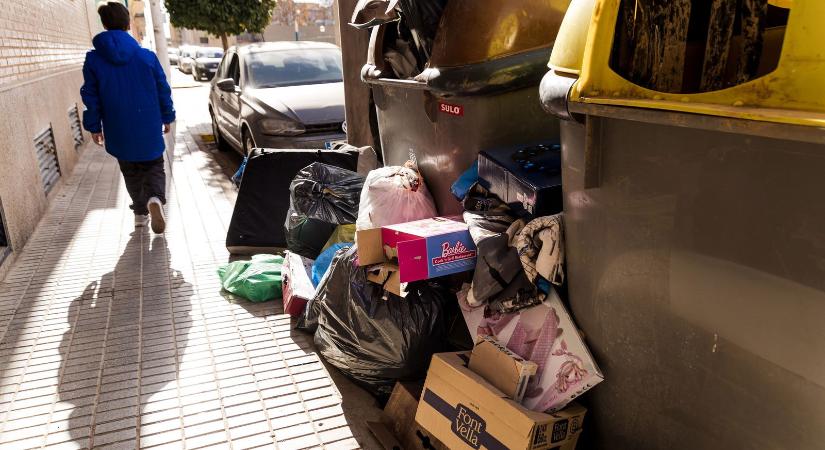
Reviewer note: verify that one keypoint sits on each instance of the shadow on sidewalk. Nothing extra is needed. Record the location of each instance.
(138, 317)
(357, 406)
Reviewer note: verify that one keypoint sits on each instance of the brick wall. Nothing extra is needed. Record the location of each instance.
(42, 47)
(40, 37)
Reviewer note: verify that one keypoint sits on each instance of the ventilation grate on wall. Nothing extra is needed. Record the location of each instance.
(77, 126)
(46, 153)
(4, 239)
(5, 248)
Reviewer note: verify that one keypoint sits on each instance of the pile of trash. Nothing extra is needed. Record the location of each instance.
(374, 336)
(381, 280)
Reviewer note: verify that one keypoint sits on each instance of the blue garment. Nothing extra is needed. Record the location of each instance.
(465, 182)
(238, 177)
(324, 260)
(127, 97)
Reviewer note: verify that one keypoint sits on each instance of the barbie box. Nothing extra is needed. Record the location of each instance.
(546, 335)
(429, 248)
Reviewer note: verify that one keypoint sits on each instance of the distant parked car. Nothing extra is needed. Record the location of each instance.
(187, 59)
(206, 62)
(278, 95)
(174, 56)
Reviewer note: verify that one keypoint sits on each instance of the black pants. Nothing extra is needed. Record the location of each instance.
(144, 180)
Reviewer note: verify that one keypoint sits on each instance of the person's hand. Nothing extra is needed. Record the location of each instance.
(97, 138)
(167, 128)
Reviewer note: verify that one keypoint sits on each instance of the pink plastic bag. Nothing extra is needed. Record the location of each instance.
(393, 195)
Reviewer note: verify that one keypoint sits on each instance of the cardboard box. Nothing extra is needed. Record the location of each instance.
(462, 410)
(379, 270)
(387, 275)
(526, 178)
(384, 436)
(399, 417)
(501, 367)
(546, 335)
(296, 283)
(419, 250)
(429, 248)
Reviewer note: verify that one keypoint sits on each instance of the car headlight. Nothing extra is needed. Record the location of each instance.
(280, 127)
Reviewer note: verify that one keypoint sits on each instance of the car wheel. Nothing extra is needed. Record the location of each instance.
(248, 142)
(220, 142)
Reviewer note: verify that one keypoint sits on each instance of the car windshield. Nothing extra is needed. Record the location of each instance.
(209, 53)
(280, 68)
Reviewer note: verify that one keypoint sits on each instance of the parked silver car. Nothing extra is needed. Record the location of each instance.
(187, 59)
(206, 62)
(278, 95)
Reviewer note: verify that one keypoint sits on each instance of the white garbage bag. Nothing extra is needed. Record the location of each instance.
(394, 195)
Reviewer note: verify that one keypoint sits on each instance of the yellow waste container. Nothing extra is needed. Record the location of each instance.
(693, 162)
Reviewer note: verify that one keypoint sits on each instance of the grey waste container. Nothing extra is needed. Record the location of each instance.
(479, 90)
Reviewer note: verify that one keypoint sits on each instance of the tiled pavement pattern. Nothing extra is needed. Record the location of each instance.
(111, 338)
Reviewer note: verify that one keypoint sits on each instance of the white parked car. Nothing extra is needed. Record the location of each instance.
(174, 56)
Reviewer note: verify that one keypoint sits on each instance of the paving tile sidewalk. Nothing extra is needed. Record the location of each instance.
(111, 338)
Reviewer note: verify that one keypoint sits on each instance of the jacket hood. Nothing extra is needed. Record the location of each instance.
(117, 47)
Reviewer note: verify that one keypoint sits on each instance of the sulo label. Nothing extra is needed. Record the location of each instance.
(453, 110)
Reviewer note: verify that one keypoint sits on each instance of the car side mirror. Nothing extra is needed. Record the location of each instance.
(226, 85)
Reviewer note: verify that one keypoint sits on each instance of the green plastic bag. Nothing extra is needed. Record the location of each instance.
(258, 280)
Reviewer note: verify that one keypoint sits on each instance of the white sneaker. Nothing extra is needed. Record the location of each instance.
(141, 220)
(156, 213)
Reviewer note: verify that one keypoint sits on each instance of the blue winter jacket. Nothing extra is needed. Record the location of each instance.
(126, 96)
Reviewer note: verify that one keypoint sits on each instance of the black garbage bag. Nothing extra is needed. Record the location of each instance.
(321, 198)
(374, 341)
(422, 17)
(371, 13)
(306, 237)
(309, 319)
(327, 193)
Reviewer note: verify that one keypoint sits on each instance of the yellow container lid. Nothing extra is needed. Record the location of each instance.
(794, 92)
(568, 50)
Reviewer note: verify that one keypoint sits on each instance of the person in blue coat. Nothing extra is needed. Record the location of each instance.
(129, 108)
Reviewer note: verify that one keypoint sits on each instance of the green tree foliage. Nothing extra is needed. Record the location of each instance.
(221, 17)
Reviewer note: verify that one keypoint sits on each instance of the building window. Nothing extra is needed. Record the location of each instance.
(204, 40)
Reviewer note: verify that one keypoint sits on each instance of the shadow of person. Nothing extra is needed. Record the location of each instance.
(127, 333)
